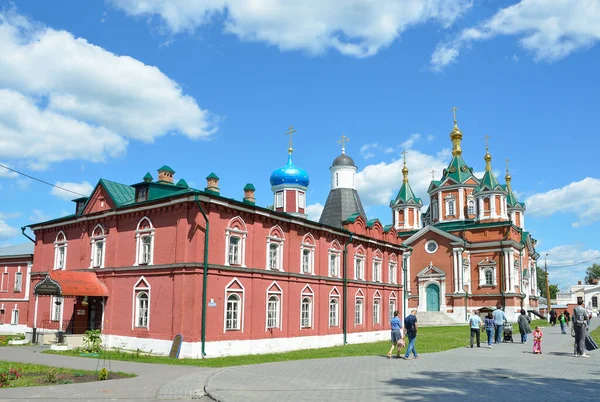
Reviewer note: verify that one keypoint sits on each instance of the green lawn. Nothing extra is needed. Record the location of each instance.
(14, 374)
(430, 339)
(596, 335)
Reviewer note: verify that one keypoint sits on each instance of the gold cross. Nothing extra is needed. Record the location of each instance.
(290, 132)
(454, 109)
(486, 138)
(506, 160)
(433, 175)
(344, 140)
(404, 153)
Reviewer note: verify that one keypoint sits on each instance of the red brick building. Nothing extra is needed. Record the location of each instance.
(15, 268)
(148, 261)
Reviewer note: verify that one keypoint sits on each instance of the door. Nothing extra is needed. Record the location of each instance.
(433, 298)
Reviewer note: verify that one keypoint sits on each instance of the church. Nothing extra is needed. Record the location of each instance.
(469, 248)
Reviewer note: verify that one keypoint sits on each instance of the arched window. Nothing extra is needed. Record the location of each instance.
(393, 270)
(376, 309)
(450, 206)
(275, 249)
(471, 207)
(235, 236)
(144, 235)
(306, 313)
(392, 307)
(141, 312)
(232, 315)
(358, 312)
(60, 251)
(273, 309)
(434, 210)
(377, 260)
(489, 276)
(307, 253)
(334, 312)
(98, 240)
(359, 263)
(487, 272)
(335, 252)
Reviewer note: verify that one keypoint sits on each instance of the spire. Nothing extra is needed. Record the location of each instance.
(487, 157)
(290, 132)
(456, 136)
(405, 169)
(343, 141)
(507, 177)
(489, 181)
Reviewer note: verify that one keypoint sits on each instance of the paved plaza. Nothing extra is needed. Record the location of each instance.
(505, 372)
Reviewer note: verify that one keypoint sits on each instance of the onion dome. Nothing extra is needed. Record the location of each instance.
(290, 174)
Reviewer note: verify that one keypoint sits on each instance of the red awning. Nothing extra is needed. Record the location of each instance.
(74, 283)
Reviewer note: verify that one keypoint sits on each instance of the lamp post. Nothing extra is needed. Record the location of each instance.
(547, 286)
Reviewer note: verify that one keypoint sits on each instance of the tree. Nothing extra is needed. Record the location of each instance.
(553, 291)
(592, 274)
(541, 284)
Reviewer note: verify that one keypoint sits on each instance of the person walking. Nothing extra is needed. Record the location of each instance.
(411, 326)
(499, 318)
(562, 319)
(552, 317)
(397, 335)
(475, 325)
(489, 328)
(524, 327)
(580, 326)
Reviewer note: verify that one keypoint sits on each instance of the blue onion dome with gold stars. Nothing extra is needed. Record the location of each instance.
(290, 174)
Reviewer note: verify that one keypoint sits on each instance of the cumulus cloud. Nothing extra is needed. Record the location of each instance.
(38, 215)
(314, 211)
(378, 183)
(358, 28)
(7, 231)
(63, 98)
(84, 189)
(581, 198)
(414, 137)
(551, 30)
(567, 263)
(5, 173)
(367, 150)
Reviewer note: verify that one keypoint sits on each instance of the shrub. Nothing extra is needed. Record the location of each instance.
(6, 376)
(92, 341)
(103, 374)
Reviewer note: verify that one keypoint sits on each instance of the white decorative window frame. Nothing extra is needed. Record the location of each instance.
(359, 255)
(392, 299)
(450, 200)
(301, 200)
(434, 209)
(376, 266)
(58, 246)
(427, 243)
(471, 204)
(18, 288)
(393, 270)
(308, 244)
(307, 293)
(484, 266)
(359, 300)
(139, 233)
(241, 294)
(279, 316)
(137, 290)
(96, 239)
(274, 239)
(335, 250)
(14, 317)
(334, 297)
(376, 308)
(279, 199)
(241, 232)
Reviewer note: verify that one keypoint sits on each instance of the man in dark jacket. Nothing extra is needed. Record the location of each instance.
(580, 325)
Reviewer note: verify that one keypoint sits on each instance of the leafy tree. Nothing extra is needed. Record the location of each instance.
(553, 291)
(541, 284)
(592, 273)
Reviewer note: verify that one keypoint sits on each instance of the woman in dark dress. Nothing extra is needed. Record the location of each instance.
(524, 327)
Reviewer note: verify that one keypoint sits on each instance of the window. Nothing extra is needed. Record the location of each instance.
(358, 312)
(145, 243)
(377, 311)
(273, 256)
(301, 200)
(434, 210)
(306, 313)
(232, 317)
(79, 209)
(98, 247)
(377, 271)
(334, 259)
(337, 179)
(273, 308)
(595, 302)
(393, 272)
(392, 308)
(359, 264)
(55, 308)
(471, 207)
(275, 249)
(141, 194)
(487, 273)
(18, 281)
(4, 282)
(15, 317)
(334, 309)
(489, 276)
(141, 312)
(431, 246)
(60, 251)
(307, 249)
(234, 250)
(306, 257)
(279, 199)
(450, 206)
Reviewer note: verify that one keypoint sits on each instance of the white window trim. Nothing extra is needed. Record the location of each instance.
(230, 232)
(482, 269)
(360, 299)
(58, 244)
(311, 258)
(434, 209)
(393, 271)
(94, 240)
(471, 201)
(19, 282)
(54, 310)
(4, 281)
(279, 294)
(394, 299)
(376, 300)
(279, 199)
(334, 294)
(307, 292)
(241, 293)
(280, 242)
(337, 254)
(137, 289)
(427, 243)
(14, 321)
(450, 199)
(376, 276)
(139, 233)
(362, 258)
(301, 200)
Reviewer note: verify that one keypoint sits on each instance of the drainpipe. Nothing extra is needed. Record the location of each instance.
(25, 234)
(503, 269)
(521, 279)
(345, 292)
(204, 276)
(405, 283)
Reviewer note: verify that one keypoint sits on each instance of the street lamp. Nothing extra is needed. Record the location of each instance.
(547, 286)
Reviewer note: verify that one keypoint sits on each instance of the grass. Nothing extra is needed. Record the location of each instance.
(430, 339)
(31, 375)
(595, 334)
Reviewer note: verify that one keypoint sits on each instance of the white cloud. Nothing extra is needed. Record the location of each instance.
(64, 98)
(430, 137)
(581, 198)
(7, 231)
(84, 188)
(38, 215)
(414, 137)
(358, 28)
(314, 211)
(560, 263)
(367, 150)
(10, 215)
(378, 183)
(551, 30)
(515, 58)
(388, 150)
(5, 173)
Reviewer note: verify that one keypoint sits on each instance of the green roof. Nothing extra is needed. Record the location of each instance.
(80, 199)
(148, 177)
(121, 194)
(488, 183)
(182, 183)
(249, 187)
(371, 222)
(353, 217)
(212, 175)
(387, 228)
(406, 196)
(511, 199)
(166, 169)
(458, 170)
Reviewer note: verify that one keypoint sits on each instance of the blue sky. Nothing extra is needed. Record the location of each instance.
(113, 89)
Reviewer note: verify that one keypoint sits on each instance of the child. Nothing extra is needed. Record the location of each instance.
(537, 341)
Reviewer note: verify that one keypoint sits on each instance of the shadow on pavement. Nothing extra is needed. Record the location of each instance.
(505, 384)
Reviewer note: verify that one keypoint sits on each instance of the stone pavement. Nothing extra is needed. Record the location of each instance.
(505, 372)
(153, 381)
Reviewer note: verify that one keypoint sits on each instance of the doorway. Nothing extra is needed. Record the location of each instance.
(433, 297)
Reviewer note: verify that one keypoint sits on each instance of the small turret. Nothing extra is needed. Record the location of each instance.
(165, 175)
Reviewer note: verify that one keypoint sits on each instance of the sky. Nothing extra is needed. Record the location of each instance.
(113, 89)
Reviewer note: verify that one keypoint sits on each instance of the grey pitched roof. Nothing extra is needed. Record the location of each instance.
(343, 160)
(18, 249)
(341, 203)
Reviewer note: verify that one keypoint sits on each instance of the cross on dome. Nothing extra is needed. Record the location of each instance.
(343, 141)
(290, 132)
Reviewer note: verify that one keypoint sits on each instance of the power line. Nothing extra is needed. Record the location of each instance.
(573, 264)
(42, 181)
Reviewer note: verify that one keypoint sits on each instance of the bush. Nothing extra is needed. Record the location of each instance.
(103, 374)
(92, 341)
(6, 376)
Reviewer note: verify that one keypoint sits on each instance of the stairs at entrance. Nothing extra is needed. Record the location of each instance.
(435, 319)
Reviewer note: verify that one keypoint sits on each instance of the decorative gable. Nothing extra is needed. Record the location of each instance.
(431, 271)
(99, 201)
